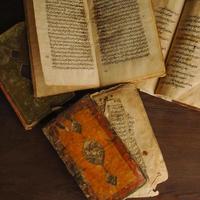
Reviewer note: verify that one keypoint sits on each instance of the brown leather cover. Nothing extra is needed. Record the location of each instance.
(93, 153)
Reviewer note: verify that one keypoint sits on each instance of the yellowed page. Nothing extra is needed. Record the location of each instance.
(183, 63)
(167, 13)
(191, 98)
(124, 110)
(40, 87)
(65, 44)
(127, 43)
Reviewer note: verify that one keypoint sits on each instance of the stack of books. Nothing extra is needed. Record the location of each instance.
(105, 139)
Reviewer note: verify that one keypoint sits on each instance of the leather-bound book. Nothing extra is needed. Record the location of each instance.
(93, 153)
(108, 145)
(15, 79)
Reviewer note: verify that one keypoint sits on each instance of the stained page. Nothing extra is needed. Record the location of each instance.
(64, 43)
(167, 13)
(124, 110)
(183, 68)
(126, 39)
(38, 80)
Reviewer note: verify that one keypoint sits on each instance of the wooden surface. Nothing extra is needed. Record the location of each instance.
(31, 170)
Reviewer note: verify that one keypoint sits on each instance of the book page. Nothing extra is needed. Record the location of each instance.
(167, 13)
(183, 68)
(38, 80)
(124, 110)
(64, 43)
(127, 44)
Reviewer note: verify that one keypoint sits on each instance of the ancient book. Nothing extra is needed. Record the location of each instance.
(179, 29)
(107, 135)
(83, 44)
(15, 79)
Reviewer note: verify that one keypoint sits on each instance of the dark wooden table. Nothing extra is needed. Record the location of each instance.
(31, 170)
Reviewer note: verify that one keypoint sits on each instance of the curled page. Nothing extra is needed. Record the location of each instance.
(182, 82)
(167, 13)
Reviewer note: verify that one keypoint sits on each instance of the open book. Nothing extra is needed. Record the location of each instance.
(79, 44)
(124, 112)
(179, 28)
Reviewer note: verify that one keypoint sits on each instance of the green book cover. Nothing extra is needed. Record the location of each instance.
(15, 79)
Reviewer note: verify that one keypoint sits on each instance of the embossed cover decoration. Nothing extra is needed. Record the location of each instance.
(93, 153)
(15, 79)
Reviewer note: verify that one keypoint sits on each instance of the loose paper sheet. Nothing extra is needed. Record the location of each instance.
(124, 110)
(167, 13)
(183, 69)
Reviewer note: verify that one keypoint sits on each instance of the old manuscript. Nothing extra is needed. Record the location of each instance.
(182, 82)
(124, 110)
(87, 134)
(88, 43)
(93, 153)
(167, 13)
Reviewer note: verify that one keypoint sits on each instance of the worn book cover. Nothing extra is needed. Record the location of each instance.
(93, 153)
(15, 79)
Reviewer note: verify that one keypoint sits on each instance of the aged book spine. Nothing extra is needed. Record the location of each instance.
(26, 125)
(33, 45)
